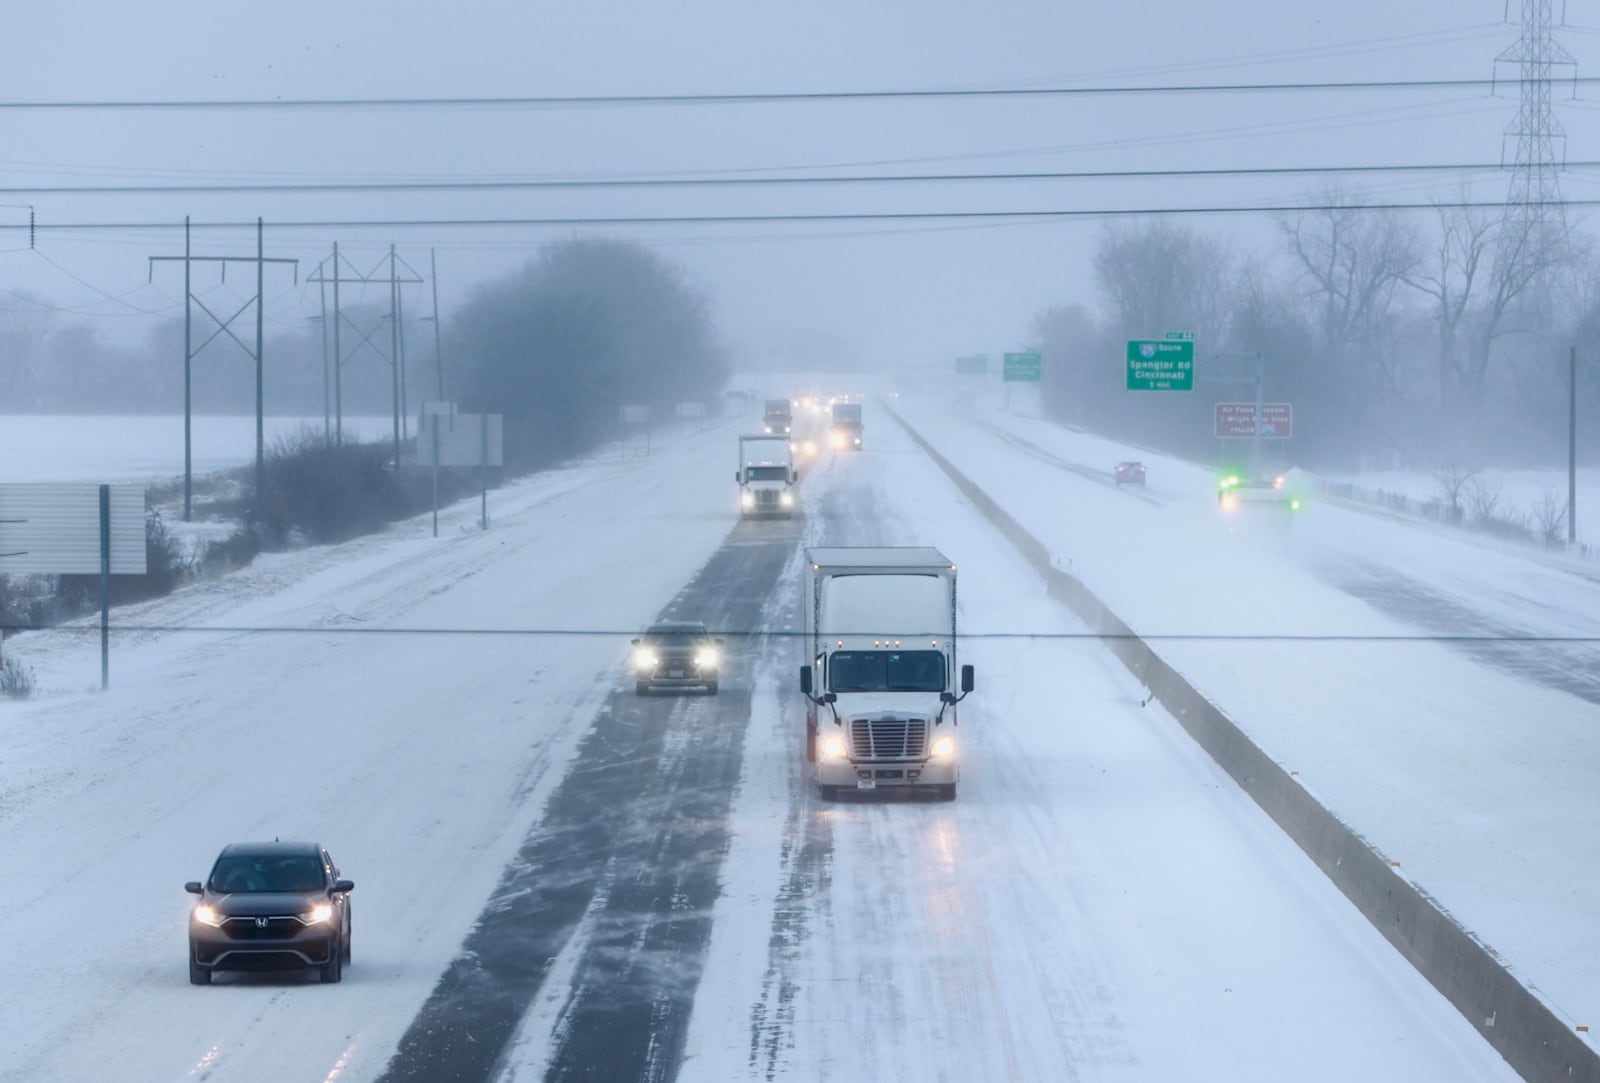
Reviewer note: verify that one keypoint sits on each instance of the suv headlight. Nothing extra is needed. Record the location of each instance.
(706, 659)
(208, 915)
(644, 659)
(318, 914)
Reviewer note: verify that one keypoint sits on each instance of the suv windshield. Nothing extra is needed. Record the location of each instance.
(296, 873)
(886, 671)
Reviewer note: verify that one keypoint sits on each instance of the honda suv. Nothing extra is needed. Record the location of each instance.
(677, 654)
(270, 906)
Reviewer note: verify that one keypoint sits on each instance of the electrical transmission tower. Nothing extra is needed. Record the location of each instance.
(1534, 198)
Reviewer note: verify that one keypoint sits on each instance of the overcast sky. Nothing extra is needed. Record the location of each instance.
(866, 291)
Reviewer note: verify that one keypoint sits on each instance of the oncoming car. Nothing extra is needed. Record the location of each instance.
(1236, 492)
(677, 654)
(1129, 473)
(270, 906)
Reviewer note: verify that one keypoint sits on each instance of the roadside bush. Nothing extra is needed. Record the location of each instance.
(16, 679)
(327, 492)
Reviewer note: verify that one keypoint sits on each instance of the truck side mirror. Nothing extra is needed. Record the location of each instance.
(635, 642)
(966, 679)
(738, 476)
(794, 476)
(805, 680)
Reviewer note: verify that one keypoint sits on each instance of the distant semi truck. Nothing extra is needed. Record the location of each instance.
(766, 476)
(846, 433)
(881, 679)
(777, 418)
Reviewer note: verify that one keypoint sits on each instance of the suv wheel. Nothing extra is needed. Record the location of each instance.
(333, 970)
(198, 975)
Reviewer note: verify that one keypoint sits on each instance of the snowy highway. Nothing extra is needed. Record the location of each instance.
(558, 879)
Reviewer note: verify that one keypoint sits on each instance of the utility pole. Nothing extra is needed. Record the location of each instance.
(438, 353)
(327, 389)
(343, 271)
(1572, 446)
(224, 326)
(1534, 195)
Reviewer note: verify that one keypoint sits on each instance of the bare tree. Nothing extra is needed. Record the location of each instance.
(1159, 276)
(1352, 263)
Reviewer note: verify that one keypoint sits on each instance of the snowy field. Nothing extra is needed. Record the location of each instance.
(120, 448)
(1099, 904)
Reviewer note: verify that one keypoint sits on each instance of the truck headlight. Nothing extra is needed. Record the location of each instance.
(833, 747)
(747, 499)
(838, 440)
(644, 659)
(944, 747)
(786, 499)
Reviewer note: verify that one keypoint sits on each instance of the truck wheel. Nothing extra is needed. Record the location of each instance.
(828, 793)
(641, 688)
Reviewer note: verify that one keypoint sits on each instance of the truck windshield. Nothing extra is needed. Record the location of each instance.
(886, 671)
(766, 473)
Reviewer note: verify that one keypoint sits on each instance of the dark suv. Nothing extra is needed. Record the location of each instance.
(1130, 473)
(677, 654)
(270, 906)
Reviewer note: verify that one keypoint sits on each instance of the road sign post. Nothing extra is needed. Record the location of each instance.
(1161, 364)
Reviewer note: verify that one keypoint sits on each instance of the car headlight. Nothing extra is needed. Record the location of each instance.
(208, 915)
(944, 747)
(318, 914)
(644, 659)
(706, 659)
(786, 499)
(834, 747)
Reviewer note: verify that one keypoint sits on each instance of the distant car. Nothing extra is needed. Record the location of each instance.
(270, 906)
(677, 654)
(1236, 491)
(1129, 473)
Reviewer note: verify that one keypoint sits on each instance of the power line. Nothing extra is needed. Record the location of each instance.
(863, 216)
(326, 187)
(607, 100)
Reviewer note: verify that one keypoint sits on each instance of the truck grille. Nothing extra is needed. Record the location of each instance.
(767, 498)
(889, 738)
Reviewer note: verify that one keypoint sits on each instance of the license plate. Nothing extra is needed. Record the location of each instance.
(866, 784)
(675, 673)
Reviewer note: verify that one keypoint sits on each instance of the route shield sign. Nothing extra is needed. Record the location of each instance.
(1024, 367)
(1160, 365)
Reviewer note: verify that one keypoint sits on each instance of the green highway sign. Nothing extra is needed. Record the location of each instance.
(973, 365)
(1161, 365)
(1024, 367)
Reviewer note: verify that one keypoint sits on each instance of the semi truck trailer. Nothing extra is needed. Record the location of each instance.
(881, 678)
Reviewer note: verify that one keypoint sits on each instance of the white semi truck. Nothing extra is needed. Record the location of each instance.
(881, 679)
(766, 475)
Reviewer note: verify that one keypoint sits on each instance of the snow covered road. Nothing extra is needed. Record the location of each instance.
(1099, 903)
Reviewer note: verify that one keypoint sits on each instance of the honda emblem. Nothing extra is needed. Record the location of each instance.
(261, 923)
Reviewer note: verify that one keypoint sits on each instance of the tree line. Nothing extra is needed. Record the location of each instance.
(1400, 339)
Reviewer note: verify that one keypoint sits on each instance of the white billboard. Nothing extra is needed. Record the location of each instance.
(51, 528)
(464, 439)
